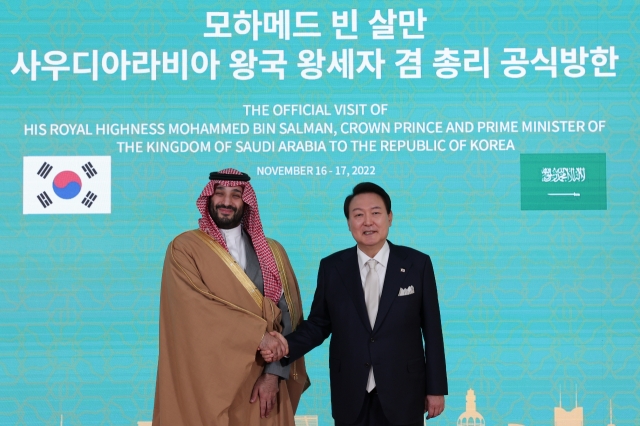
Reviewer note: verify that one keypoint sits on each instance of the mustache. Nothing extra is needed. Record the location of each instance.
(222, 206)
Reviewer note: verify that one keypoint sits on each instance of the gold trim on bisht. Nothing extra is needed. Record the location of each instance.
(233, 266)
(277, 254)
(208, 293)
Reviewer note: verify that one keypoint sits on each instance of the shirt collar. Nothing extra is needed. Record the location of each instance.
(382, 257)
(232, 233)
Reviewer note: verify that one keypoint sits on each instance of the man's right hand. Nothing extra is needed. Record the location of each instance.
(273, 346)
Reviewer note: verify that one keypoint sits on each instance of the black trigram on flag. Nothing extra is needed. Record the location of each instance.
(89, 198)
(89, 170)
(44, 171)
(44, 198)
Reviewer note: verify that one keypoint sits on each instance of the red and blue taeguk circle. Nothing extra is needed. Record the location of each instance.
(67, 184)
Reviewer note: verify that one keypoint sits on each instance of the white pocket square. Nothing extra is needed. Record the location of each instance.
(406, 291)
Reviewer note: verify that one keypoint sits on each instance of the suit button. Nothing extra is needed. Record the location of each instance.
(366, 364)
(372, 340)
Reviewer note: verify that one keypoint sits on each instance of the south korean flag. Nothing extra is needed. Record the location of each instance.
(66, 185)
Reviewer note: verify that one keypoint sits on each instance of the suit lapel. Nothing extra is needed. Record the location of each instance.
(393, 279)
(350, 272)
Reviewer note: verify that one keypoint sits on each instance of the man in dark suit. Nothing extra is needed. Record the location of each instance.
(379, 301)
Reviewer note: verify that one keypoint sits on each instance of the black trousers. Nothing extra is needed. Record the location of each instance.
(371, 414)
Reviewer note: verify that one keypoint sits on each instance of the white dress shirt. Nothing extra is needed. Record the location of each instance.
(382, 257)
(235, 244)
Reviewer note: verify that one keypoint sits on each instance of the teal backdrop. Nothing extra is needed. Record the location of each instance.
(538, 301)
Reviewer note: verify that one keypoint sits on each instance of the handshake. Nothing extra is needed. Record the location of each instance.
(273, 346)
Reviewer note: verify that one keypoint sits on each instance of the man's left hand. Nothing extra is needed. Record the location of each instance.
(434, 405)
(266, 389)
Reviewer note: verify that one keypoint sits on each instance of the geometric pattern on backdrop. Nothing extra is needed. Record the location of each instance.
(66, 185)
(531, 300)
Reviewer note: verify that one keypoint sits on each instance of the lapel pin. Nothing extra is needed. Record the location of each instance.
(401, 269)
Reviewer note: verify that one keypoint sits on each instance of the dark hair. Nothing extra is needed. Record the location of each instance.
(367, 188)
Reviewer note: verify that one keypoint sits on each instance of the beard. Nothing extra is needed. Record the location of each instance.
(226, 222)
